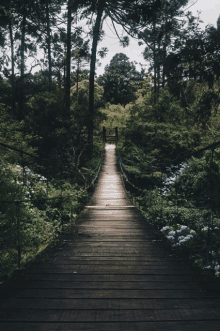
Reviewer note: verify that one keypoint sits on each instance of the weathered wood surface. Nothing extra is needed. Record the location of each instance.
(113, 276)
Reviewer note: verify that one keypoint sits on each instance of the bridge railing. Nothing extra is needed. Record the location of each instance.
(142, 187)
(55, 200)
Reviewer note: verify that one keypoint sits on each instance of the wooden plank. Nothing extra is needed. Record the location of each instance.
(94, 315)
(105, 293)
(57, 262)
(62, 277)
(149, 259)
(123, 326)
(91, 269)
(129, 303)
(89, 238)
(115, 267)
(112, 303)
(112, 238)
(105, 285)
(128, 245)
(101, 207)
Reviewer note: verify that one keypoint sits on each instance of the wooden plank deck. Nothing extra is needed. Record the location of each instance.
(113, 276)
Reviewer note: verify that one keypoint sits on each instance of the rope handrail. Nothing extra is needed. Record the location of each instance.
(60, 197)
(125, 177)
(98, 168)
(185, 157)
(21, 151)
(179, 159)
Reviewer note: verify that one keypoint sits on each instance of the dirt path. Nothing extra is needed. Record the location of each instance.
(113, 276)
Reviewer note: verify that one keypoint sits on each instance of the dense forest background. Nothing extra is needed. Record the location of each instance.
(56, 114)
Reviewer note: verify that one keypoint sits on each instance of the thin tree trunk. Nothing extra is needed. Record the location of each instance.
(12, 59)
(155, 76)
(77, 81)
(49, 46)
(12, 48)
(23, 28)
(164, 59)
(68, 59)
(96, 33)
(155, 67)
(158, 71)
(23, 31)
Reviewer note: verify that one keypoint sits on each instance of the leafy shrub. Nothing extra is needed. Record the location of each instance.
(32, 212)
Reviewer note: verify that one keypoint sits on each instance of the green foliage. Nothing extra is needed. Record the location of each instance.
(119, 80)
(158, 144)
(12, 133)
(46, 121)
(200, 179)
(80, 98)
(80, 108)
(34, 211)
(116, 116)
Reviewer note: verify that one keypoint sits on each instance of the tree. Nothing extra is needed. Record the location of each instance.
(158, 35)
(47, 18)
(129, 14)
(218, 23)
(80, 109)
(118, 80)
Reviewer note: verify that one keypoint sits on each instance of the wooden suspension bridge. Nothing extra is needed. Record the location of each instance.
(114, 275)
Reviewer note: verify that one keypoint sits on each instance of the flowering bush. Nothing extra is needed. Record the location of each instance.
(195, 243)
(33, 210)
(178, 237)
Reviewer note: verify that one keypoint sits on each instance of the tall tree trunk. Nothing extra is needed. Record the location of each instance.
(12, 59)
(164, 59)
(12, 47)
(96, 33)
(155, 76)
(23, 31)
(68, 59)
(163, 70)
(23, 28)
(155, 66)
(158, 70)
(49, 46)
(77, 81)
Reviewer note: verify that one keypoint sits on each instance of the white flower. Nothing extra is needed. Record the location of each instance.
(165, 228)
(28, 171)
(185, 229)
(43, 178)
(170, 238)
(188, 237)
(172, 233)
(206, 228)
(181, 238)
(183, 241)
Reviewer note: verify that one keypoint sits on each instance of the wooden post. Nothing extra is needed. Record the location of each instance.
(116, 135)
(104, 135)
